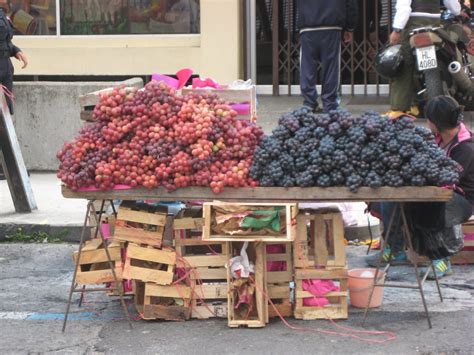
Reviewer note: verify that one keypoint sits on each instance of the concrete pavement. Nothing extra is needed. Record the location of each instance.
(35, 281)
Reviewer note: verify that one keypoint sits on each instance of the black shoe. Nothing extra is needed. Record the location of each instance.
(317, 110)
(2, 176)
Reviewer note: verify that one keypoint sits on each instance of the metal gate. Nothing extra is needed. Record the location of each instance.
(357, 69)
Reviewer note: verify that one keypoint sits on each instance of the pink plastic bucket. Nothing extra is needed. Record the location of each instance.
(360, 286)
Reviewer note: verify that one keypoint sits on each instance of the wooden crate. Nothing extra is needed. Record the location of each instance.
(466, 256)
(94, 267)
(278, 281)
(321, 244)
(90, 100)
(290, 210)
(140, 226)
(148, 264)
(338, 308)
(206, 261)
(239, 96)
(158, 302)
(258, 318)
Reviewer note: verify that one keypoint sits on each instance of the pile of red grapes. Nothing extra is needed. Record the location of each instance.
(155, 137)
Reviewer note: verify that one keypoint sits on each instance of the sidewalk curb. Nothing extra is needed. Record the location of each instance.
(73, 236)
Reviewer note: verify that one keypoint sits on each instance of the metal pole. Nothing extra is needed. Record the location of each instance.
(275, 48)
(407, 235)
(73, 283)
(111, 264)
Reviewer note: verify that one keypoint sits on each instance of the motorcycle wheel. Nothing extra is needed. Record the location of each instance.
(433, 82)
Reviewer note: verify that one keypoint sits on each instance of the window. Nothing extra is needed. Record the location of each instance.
(105, 17)
(33, 17)
(120, 17)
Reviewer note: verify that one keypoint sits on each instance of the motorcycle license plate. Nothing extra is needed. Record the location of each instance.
(426, 58)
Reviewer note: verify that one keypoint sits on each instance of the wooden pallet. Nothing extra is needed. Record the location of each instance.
(140, 226)
(90, 100)
(288, 235)
(321, 244)
(208, 275)
(258, 318)
(338, 308)
(94, 267)
(248, 96)
(158, 302)
(278, 282)
(148, 264)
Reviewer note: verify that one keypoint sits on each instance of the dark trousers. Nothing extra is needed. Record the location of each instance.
(323, 47)
(6, 78)
(455, 212)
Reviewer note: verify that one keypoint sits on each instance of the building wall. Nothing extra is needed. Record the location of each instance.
(216, 52)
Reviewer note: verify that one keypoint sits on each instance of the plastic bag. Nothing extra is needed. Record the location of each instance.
(436, 226)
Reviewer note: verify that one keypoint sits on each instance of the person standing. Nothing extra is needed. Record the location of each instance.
(411, 14)
(7, 50)
(322, 26)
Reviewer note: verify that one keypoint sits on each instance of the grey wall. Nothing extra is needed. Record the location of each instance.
(47, 115)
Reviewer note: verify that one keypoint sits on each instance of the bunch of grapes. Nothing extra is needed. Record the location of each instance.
(155, 137)
(338, 149)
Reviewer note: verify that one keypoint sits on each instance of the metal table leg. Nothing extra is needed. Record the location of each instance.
(420, 280)
(73, 283)
(83, 289)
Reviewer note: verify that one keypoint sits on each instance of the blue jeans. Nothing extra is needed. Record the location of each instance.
(395, 239)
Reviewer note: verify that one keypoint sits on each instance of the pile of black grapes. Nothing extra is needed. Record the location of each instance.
(338, 149)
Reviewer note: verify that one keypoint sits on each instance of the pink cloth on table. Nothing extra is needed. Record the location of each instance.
(241, 109)
(318, 288)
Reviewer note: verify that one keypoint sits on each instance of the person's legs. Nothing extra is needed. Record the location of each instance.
(308, 68)
(395, 244)
(331, 68)
(402, 87)
(458, 211)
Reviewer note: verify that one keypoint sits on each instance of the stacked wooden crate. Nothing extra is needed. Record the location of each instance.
(319, 254)
(94, 267)
(466, 256)
(278, 278)
(204, 262)
(152, 267)
(277, 281)
(257, 315)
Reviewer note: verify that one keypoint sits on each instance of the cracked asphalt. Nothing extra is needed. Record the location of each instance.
(35, 281)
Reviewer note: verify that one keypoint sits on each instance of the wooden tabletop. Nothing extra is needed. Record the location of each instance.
(271, 194)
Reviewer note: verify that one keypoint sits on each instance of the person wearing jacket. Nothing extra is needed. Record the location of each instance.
(411, 14)
(8, 50)
(322, 25)
(445, 121)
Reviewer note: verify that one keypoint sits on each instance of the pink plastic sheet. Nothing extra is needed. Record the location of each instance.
(182, 78)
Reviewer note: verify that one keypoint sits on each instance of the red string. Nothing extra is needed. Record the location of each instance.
(7, 92)
(390, 335)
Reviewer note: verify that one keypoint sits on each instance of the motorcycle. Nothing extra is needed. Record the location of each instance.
(444, 60)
